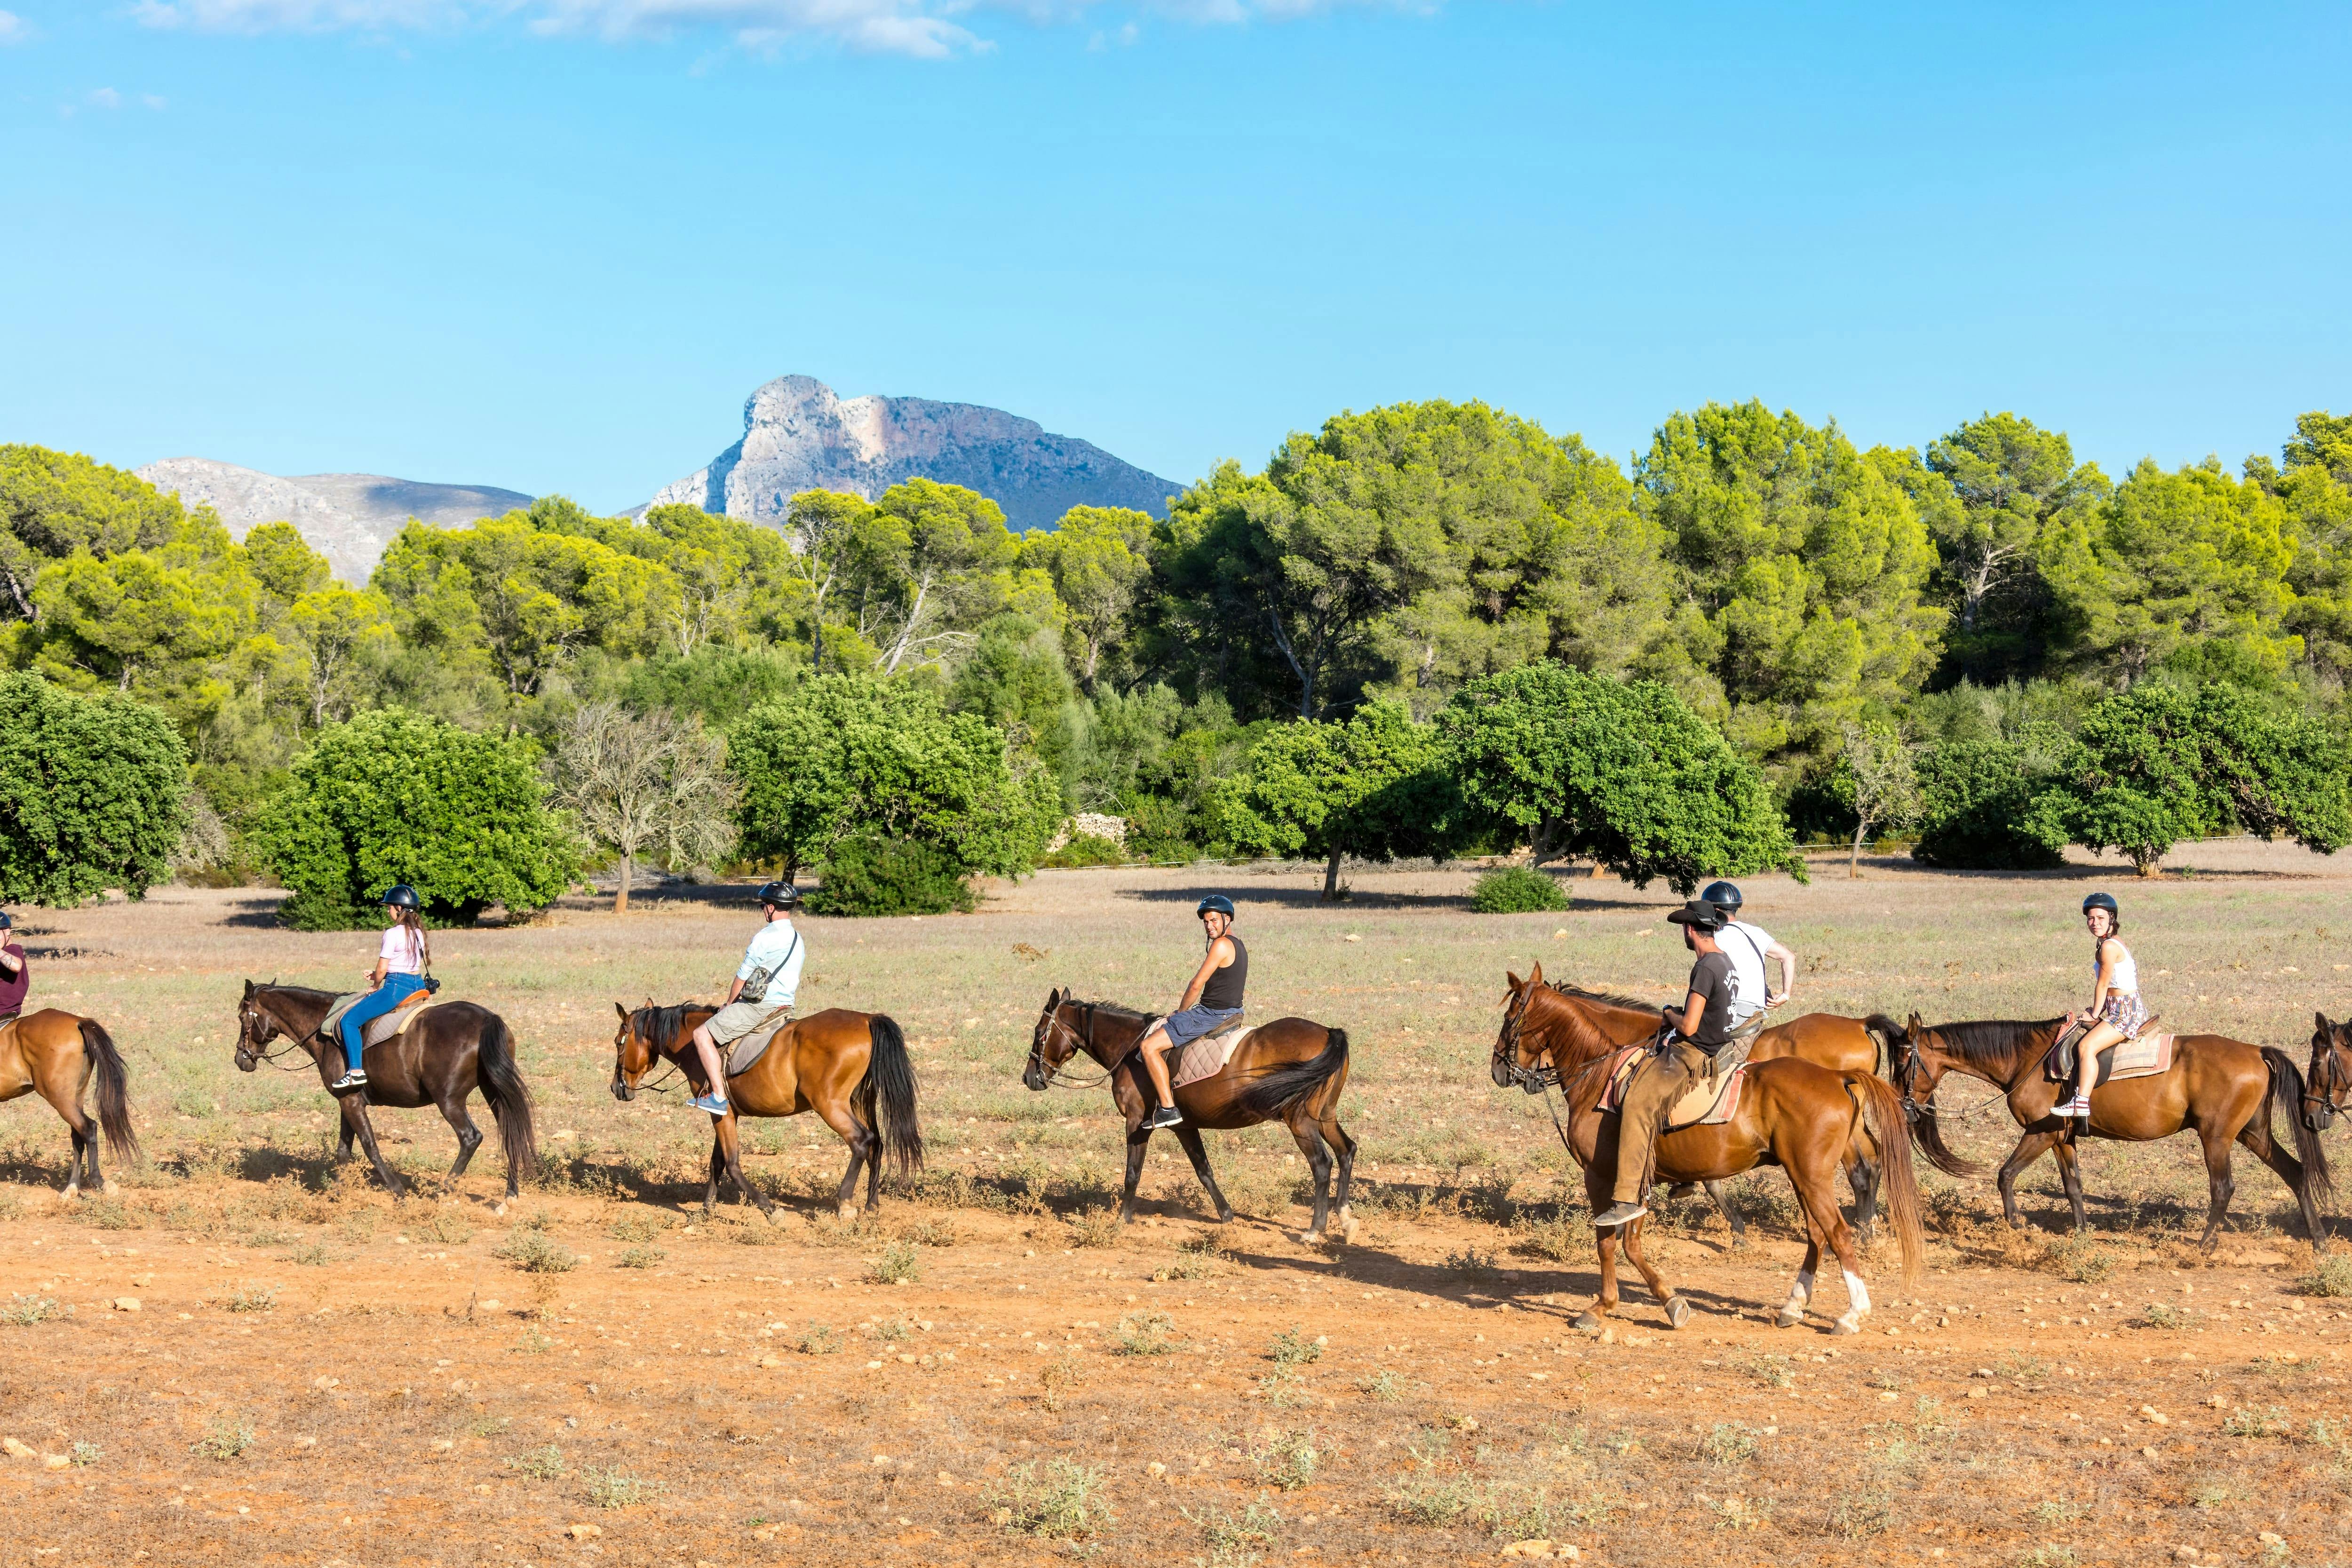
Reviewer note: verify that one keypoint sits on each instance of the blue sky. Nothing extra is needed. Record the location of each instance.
(554, 244)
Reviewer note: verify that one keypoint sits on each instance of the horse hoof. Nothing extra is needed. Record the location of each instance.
(1845, 1326)
(1677, 1313)
(1348, 1231)
(1589, 1323)
(1310, 1238)
(497, 1208)
(111, 1189)
(845, 1212)
(1789, 1318)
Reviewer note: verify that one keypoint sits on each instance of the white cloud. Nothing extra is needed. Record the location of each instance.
(15, 29)
(928, 29)
(106, 98)
(153, 101)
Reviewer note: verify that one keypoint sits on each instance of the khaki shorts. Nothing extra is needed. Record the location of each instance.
(737, 1019)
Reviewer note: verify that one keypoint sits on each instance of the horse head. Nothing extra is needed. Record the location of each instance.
(255, 1027)
(1052, 1043)
(633, 1053)
(1514, 1059)
(2329, 1082)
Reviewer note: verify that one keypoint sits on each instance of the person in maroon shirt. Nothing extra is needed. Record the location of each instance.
(15, 975)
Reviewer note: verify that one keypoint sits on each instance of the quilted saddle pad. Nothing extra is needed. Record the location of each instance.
(2145, 1058)
(1710, 1103)
(1208, 1056)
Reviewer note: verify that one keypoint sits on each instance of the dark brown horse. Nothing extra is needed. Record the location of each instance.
(1807, 1119)
(439, 1060)
(1289, 1071)
(1568, 1027)
(57, 1054)
(2224, 1088)
(851, 1069)
(2329, 1087)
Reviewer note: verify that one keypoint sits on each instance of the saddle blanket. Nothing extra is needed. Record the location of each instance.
(1208, 1056)
(412, 1007)
(1711, 1102)
(2149, 1056)
(750, 1048)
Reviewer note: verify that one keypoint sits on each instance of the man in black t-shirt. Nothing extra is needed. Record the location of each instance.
(1702, 1028)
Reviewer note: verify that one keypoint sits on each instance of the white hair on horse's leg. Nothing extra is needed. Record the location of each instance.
(1857, 1293)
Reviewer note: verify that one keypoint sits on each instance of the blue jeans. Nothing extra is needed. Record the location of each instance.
(395, 989)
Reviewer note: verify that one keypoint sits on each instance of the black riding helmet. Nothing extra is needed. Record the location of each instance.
(1724, 897)
(2103, 901)
(6, 924)
(401, 896)
(1217, 902)
(781, 895)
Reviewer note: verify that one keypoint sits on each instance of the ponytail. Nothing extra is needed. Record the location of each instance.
(420, 946)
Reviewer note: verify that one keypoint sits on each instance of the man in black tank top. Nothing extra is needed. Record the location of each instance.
(1211, 1002)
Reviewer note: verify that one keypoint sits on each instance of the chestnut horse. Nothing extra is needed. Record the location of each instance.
(58, 1054)
(851, 1069)
(2227, 1089)
(1806, 1117)
(1570, 1026)
(440, 1059)
(1289, 1071)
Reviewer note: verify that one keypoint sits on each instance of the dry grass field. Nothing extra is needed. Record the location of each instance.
(987, 1372)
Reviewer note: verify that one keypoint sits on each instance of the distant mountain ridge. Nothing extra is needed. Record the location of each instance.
(347, 517)
(799, 434)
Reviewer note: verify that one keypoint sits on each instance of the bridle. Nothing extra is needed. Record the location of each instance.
(1506, 1065)
(1047, 1071)
(2324, 1071)
(638, 1031)
(257, 1025)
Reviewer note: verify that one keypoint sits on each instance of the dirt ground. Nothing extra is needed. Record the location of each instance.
(247, 1354)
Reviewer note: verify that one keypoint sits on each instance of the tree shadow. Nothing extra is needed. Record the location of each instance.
(1312, 898)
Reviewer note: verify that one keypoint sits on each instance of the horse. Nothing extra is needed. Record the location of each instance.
(58, 1054)
(2329, 1083)
(2227, 1089)
(1290, 1070)
(1806, 1117)
(1570, 1026)
(440, 1059)
(851, 1069)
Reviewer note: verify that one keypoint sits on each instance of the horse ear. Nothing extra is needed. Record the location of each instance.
(1915, 1024)
(622, 1010)
(1513, 981)
(1535, 976)
(249, 988)
(2321, 1020)
(1053, 998)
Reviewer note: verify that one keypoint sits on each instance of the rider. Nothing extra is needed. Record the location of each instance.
(764, 984)
(401, 962)
(1748, 946)
(1211, 1002)
(1702, 1028)
(2116, 1012)
(15, 975)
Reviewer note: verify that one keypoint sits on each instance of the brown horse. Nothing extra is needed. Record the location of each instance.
(1808, 1118)
(1568, 1027)
(1290, 1070)
(2328, 1088)
(439, 1060)
(58, 1054)
(2225, 1088)
(851, 1069)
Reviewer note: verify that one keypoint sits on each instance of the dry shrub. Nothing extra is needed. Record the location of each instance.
(1057, 1378)
(1096, 1228)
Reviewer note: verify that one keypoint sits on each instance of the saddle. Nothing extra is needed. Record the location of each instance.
(412, 1007)
(1208, 1056)
(750, 1048)
(1711, 1102)
(2147, 1056)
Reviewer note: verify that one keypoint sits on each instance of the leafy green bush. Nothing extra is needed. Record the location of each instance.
(1979, 814)
(93, 793)
(1085, 849)
(398, 796)
(890, 877)
(1517, 890)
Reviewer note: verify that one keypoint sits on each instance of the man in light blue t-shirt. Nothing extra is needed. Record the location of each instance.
(764, 984)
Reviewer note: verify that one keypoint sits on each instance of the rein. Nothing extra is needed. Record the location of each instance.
(1913, 1066)
(1078, 1042)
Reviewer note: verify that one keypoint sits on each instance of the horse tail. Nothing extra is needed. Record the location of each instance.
(889, 1085)
(1923, 1124)
(113, 1091)
(510, 1098)
(1275, 1093)
(1882, 1114)
(2318, 1181)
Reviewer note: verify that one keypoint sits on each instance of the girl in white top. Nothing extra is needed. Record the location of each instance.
(402, 959)
(2115, 1006)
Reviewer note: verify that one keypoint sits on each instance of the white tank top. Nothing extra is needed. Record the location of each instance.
(2126, 976)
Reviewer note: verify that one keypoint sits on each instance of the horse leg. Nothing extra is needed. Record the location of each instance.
(1801, 1289)
(2223, 1185)
(1139, 1142)
(1861, 1175)
(1309, 1139)
(1336, 1136)
(2029, 1149)
(1717, 1195)
(718, 1168)
(728, 1136)
(66, 1102)
(1198, 1152)
(865, 1144)
(1678, 1310)
(1605, 1246)
(2256, 1136)
(470, 1136)
(355, 1111)
(2070, 1175)
(1815, 1180)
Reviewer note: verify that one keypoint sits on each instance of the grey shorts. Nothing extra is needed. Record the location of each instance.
(737, 1019)
(1183, 1028)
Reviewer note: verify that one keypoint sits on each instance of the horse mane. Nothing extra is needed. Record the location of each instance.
(1611, 998)
(1984, 1042)
(662, 1026)
(1111, 1007)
